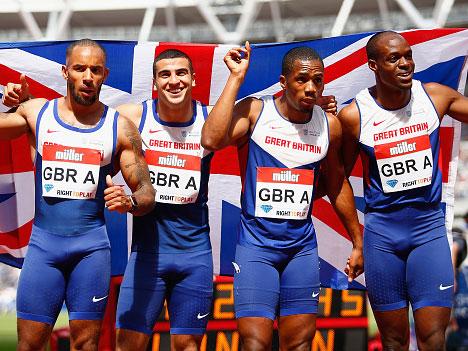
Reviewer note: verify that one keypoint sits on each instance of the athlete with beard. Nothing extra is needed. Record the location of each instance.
(395, 125)
(78, 144)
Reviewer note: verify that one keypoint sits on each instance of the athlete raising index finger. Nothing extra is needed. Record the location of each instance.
(285, 140)
(77, 142)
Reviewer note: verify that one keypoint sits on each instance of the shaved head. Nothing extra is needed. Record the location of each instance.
(85, 43)
(373, 43)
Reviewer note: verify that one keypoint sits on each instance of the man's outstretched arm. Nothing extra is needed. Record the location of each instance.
(134, 171)
(448, 101)
(20, 120)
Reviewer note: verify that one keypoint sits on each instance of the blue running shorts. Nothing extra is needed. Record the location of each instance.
(407, 259)
(57, 268)
(270, 282)
(184, 279)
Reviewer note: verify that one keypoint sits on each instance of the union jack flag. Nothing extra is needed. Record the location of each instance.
(440, 56)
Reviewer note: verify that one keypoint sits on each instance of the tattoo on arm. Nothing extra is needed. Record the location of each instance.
(138, 174)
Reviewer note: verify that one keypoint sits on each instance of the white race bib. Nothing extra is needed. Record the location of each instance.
(405, 164)
(70, 172)
(283, 192)
(176, 177)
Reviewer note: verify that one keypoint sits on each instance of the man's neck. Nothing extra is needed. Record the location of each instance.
(175, 113)
(78, 114)
(391, 99)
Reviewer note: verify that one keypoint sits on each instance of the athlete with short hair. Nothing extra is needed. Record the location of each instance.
(285, 140)
(171, 251)
(395, 124)
(78, 143)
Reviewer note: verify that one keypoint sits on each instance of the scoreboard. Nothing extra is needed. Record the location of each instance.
(341, 322)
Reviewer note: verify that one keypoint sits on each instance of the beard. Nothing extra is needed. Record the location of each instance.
(79, 99)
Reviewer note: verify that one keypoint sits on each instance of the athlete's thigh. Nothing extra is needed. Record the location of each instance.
(430, 274)
(41, 286)
(300, 284)
(385, 273)
(88, 285)
(256, 283)
(142, 293)
(189, 299)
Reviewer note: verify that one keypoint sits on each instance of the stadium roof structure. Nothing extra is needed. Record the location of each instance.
(222, 21)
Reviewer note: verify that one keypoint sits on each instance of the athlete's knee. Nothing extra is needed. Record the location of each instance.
(297, 341)
(395, 343)
(297, 345)
(255, 343)
(129, 340)
(85, 343)
(434, 341)
(29, 345)
(84, 339)
(32, 336)
(186, 342)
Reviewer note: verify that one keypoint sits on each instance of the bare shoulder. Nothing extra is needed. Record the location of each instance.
(436, 90)
(349, 115)
(334, 126)
(131, 111)
(31, 108)
(127, 133)
(250, 107)
(125, 126)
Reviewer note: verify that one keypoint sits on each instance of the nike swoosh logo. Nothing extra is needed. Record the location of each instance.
(275, 127)
(236, 267)
(51, 131)
(200, 316)
(155, 131)
(315, 294)
(377, 123)
(441, 287)
(97, 299)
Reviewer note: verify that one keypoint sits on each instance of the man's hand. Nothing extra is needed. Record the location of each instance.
(115, 197)
(354, 264)
(15, 94)
(237, 60)
(328, 104)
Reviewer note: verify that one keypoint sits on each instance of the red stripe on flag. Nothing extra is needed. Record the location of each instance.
(359, 57)
(36, 89)
(15, 156)
(225, 161)
(202, 60)
(357, 169)
(324, 212)
(445, 155)
(18, 238)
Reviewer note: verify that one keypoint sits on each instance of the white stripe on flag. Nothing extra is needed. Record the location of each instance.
(222, 188)
(19, 209)
(17, 253)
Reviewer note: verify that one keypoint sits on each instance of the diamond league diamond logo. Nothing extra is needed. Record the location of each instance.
(48, 187)
(266, 208)
(392, 182)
